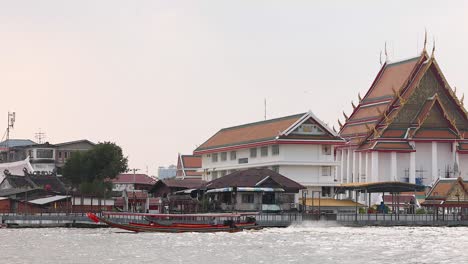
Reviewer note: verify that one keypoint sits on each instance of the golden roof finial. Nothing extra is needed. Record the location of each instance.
(359, 97)
(462, 99)
(380, 58)
(433, 49)
(339, 123)
(345, 116)
(354, 107)
(425, 40)
(334, 130)
(386, 53)
(455, 90)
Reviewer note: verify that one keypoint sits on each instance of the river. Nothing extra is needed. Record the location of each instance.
(313, 243)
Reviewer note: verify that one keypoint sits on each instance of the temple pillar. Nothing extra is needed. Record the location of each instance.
(412, 168)
(353, 179)
(368, 173)
(342, 165)
(375, 166)
(435, 171)
(359, 167)
(348, 165)
(393, 166)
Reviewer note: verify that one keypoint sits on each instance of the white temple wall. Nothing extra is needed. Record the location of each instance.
(385, 166)
(463, 166)
(424, 161)
(403, 165)
(444, 159)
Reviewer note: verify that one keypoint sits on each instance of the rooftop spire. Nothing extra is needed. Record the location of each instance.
(433, 49)
(386, 53)
(425, 40)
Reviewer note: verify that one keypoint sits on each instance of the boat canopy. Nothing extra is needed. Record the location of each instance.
(246, 189)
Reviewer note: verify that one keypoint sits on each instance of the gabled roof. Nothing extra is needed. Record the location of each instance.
(74, 142)
(385, 119)
(187, 166)
(49, 183)
(16, 143)
(272, 130)
(15, 168)
(133, 178)
(254, 178)
(180, 184)
(443, 186)
(392, 76)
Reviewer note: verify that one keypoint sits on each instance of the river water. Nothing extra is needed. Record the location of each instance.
(313, 243)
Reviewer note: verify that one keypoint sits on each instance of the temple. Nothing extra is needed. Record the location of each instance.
(410, 126)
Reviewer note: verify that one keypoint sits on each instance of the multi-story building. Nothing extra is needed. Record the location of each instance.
(300, 147)
(410, 126)
(167, 172)
(44, 157)
(66, 149)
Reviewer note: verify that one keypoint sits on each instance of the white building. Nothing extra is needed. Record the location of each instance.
(167, 172)
(410, 127)
(299, 147)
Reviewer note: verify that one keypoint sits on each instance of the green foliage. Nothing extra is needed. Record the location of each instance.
(362, 210)
(420, 211)
(89, 171)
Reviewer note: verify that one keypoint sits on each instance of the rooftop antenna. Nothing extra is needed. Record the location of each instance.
(40, 136)
(265, 108)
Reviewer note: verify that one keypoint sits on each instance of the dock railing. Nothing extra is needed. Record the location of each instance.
(402, 219)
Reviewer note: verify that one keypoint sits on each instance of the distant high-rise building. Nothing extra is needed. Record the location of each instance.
(167, 172)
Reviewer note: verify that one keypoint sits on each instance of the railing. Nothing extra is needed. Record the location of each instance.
(402, 219)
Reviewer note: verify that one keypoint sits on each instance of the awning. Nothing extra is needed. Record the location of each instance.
(187, 191)
(42, 201)
(246, 189)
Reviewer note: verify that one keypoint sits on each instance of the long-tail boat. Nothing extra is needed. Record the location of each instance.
(178, 223)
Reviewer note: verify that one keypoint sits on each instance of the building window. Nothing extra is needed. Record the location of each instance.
(253, 152)
(243, 160)
(222, 173)
(214, 175)
(45, 153)
(275, 150)
(60, 154)
(223, 156)
(214, 157)
(326, 170)
(208, 155)
(326, 150)
(248, 198)
(233, 155)
(326, 191)
(66, 154)
(264, 151)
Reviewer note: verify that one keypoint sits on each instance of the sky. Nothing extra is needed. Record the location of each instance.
(160, 77)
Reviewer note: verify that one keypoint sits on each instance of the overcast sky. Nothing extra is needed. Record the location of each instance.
(161, 77)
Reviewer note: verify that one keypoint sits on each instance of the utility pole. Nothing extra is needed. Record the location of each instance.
(134, 185)
(11, 124)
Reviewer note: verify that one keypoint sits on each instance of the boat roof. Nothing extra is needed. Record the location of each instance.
(182, 215)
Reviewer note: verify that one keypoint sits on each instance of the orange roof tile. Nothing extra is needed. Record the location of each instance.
(391, 76)
(266, 130)
(247, 133)
(392, 146)
(192, 161)
(432, 133)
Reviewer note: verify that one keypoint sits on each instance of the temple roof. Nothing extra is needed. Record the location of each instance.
(408, 100)
(187, 166)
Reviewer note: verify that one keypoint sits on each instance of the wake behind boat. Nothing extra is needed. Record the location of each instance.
(177, 223)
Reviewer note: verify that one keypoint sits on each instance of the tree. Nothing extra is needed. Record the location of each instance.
(91, 170)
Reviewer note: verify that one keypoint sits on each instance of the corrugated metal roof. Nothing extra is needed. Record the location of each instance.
(16, 143)
(47, 200)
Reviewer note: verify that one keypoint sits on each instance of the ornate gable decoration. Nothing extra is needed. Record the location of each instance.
(457, 192)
